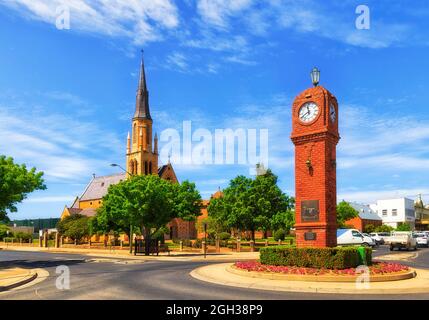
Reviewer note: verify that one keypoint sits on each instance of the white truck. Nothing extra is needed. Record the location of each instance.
(402, 239)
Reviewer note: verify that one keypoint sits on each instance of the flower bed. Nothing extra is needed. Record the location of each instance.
(377, 268)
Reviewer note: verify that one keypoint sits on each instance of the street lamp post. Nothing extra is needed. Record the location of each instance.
(131, 226)
(205, 239)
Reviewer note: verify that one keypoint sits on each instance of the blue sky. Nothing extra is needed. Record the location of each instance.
(67, 96)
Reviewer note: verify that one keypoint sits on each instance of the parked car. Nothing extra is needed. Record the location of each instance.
(422, 239)
(402, 239)
(347, 237)
(379, 237)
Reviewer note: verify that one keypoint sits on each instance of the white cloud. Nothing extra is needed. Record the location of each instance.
(177, 61)
(61, 146)
(141, 21)
(217, 12)
(50, 199)
(371, 196)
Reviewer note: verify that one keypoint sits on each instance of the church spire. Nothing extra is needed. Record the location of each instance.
(142, 98)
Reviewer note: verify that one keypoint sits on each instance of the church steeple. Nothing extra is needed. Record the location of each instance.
(142, 97)
(142, 154)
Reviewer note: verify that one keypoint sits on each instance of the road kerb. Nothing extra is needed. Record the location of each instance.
(218, 274)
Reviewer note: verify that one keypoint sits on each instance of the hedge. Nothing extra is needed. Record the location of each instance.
(329, 258)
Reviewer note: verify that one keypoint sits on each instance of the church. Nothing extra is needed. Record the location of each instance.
(141, 159)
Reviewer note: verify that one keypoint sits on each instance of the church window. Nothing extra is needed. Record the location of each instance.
(145, 167)
(135, 133)
(135, 166)
(150, 167)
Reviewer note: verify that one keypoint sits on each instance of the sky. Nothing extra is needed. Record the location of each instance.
(67, 95)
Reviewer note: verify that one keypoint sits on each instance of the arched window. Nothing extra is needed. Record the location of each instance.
(136, 167)
(150, 167)
(145, 167)
(131, 167)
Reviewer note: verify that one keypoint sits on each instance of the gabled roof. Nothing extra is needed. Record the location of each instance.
(98, 186)
(89, 212)
(365, 212)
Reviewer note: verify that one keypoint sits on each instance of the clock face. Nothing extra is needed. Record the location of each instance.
(308, 112)
(332, 113)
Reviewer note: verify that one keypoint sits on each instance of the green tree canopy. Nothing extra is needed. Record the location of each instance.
(345, 212)
(383, 228)
(16, 182)
(253, 204)
(404, 227)
(149, 203)
(75, 226)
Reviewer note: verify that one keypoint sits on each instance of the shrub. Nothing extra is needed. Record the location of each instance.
(23, 235)
(329, 258)
(224, 236)
(279, 234)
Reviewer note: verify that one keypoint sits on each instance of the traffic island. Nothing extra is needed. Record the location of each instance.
(377, 272)
(225, 274)
(16, 277)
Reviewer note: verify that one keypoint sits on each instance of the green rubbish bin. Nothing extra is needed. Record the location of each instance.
(362, 255)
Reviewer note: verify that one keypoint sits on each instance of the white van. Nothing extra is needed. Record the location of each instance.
(353, 237)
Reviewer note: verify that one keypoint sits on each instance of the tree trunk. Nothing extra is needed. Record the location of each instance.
(253, 234)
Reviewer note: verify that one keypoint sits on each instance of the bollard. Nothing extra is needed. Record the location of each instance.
(181, 245)
(203, 247)
(45, 239)
(238, 245)
(252, 246)
(280, 242)
(121, 244)
(57, 240)
(266, 243)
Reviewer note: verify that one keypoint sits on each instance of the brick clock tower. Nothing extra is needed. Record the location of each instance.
(315, 136)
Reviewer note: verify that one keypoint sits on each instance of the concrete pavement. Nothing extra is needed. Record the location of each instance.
(151, 279)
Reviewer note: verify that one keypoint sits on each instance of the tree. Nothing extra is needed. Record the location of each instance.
(147, 202)
(383, 228)
(16, 182)
(404, 227)
(369, 228)
(3, 231)
(345, 212)
(251, 204)
(75, 227)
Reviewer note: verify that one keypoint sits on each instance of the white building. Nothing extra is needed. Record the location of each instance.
(394, 212)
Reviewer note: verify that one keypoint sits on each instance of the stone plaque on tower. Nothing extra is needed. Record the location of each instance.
(315, 136)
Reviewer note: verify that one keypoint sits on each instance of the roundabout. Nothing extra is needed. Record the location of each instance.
(413, 281)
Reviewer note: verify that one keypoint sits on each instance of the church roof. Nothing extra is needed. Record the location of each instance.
(89, 212)
(98, 186)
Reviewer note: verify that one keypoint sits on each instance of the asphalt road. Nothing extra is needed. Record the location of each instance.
(151, 280)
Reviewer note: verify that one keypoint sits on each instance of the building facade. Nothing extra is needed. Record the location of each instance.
(395, 212)
(141, 159)
(422, 214)
(366, 217)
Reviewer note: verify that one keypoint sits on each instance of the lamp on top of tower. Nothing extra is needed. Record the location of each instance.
(315, 76)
